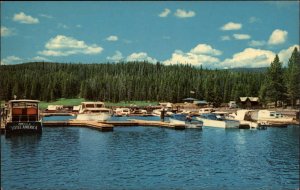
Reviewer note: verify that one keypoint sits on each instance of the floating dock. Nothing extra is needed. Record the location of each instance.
(78, 123)
(109, 125)
(136, 122)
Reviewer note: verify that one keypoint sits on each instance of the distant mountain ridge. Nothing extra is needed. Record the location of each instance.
(255, 70)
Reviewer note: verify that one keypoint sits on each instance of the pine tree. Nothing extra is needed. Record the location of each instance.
(293, 77)
(274, 83)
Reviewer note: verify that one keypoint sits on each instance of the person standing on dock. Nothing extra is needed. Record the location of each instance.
(162, 115)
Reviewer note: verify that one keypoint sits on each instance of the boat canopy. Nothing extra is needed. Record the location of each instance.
(24, 100)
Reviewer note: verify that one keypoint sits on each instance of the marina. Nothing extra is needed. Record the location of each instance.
(108, 125)
(150, 95)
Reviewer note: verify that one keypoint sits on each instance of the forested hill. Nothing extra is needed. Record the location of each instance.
(259, 69)
(126, 81)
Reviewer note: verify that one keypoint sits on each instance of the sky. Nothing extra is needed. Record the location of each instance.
(223, 34)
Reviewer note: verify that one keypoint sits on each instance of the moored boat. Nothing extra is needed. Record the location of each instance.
(119, 112)
(95, 111)
(186, 120)
(206, 110)
(23, 116)
(157, 112)
(213, 120)
(245, 119)
(272, 116)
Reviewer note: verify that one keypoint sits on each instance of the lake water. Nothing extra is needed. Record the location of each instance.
(152, 158)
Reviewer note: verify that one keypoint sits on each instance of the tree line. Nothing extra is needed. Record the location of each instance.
(127, 81)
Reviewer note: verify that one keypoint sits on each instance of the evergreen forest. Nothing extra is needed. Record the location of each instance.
(128, 81)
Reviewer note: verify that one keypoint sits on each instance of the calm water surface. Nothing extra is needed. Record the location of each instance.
(152, 158)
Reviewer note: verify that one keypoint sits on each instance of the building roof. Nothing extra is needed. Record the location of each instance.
(200, 102)
(190, 99)
(252, 99)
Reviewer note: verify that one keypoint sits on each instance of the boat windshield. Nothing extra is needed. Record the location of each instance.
(99, 105)
(210, 116)
(24, 104)
(181, 117)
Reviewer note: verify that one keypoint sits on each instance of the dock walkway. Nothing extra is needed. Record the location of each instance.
(77, 123)
(109, 125)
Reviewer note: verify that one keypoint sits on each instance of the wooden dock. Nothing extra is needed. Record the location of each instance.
(76, 123)
(136, 122)
(108, 125)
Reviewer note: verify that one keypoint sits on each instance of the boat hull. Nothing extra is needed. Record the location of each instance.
(23, 127)
(219, 124)
(93, 117)
(190, 125)
(252, 125)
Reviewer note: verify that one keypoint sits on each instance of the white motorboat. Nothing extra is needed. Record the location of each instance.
(272, 116)
(122, 112)
(186, 120)
(213, 120)
(157, 112)
(245, 119)
(95, 111)
(206, 110)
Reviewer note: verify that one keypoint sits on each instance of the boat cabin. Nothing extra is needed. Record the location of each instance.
(122, 111)
(93, 107)
(23, 111)
(23, 116)
(269, 114)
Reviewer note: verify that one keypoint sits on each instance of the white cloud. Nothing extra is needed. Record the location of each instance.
(165, 13)
(241, 36)
(7, 31)
(180, 13)
(249, 58)
(255, 43)
(141, 56)
(205, 49)
(112, 38)
(64, 46)
(285, 54)
(202, 54)
(231, 26)
(11, 60)
(278, 37)
(116, 57)
(225, 38)
(46, 16)
(39, 58)
(78, 26)
(25, 19)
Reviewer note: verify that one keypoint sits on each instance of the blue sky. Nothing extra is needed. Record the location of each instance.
(211, 34)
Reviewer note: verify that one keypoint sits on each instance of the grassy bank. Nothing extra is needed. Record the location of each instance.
(131, 103)
(62, 101)
(77, 101)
